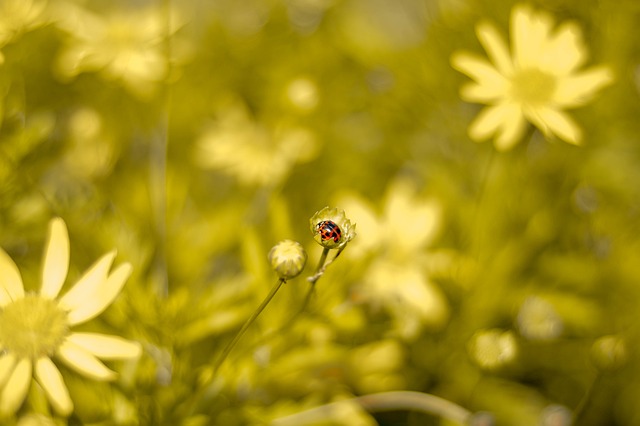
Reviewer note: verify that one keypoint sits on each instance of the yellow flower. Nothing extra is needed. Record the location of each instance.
(406, 226)
(36, 327)
(535, 82)
(254, 154)
(123, 45)
(17, 17)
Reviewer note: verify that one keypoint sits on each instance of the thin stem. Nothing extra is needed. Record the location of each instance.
(315, 277)
(385, 401)
(158, 165)
(247, 324)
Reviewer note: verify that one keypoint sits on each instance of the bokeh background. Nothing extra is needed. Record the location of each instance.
(192, 136)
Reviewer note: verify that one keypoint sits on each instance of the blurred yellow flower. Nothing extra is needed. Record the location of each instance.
(398, 281)
(125, 45)
(407, 224)
(249, 151)
(36, 327)
(539, 320)
(534, 82)
(493, 348)
(18, 16)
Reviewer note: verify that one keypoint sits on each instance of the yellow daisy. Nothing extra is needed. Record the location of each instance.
(34, 327)
(534, 82)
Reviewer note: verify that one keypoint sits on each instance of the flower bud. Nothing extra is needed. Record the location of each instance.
(288, 258)
(609, 352)
(331, 228)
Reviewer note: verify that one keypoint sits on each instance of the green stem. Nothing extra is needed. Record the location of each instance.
(385, 401)
(247, 324)
(315, 277)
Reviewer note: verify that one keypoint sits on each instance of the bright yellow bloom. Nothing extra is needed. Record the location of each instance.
(36, 327)
(535, 82)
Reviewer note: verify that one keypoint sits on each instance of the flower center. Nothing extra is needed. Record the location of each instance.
(532, 86)
(32, 326)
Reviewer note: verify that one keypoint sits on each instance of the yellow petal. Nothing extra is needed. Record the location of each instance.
(50, 379)
(578, 89)
(104, 346)
(10, 280)
(482, 94)
(529, 35)
(565, 51)
(487, 122)
(102, 296)
(560, 124)
(56, 259)
(511, 129)
(495, 47)
(480, 70)
(15, 390)
(88, 284)
(83, 362)
(7, 364)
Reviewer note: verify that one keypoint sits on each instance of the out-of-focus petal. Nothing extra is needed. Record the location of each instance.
(50, 379)
(56, 259)
(560, 124)
(15, 390)
(83, 362)
(88, 284)
(104, 346)
(529, 35)
(10, 280)
(7, 364)
(487, 122)
(104, 294)
(565, 52)
(578, 89)
(512, 128)
(479, 69)
(496, 48)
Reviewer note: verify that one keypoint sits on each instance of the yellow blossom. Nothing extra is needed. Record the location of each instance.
(406, 224)
(34, 328)
(535, 82)
(125, 45)
(251, 152)
(19, 16)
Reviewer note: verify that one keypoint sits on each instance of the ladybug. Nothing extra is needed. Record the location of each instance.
(328, 230)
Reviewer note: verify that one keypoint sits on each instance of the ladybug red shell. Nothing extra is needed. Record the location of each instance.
(328, 230)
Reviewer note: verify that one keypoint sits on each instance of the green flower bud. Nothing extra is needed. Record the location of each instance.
(288, 258)
(331, 228)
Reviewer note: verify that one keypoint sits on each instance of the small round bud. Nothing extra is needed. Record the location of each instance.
(331, 228)
(609, 352)
(288, 258)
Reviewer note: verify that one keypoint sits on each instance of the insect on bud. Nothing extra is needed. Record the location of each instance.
(288, 258)
(331, 228)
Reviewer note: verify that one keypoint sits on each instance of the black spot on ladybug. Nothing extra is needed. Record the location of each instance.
(328, 230)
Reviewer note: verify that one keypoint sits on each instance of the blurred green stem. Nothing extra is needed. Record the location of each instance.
(385, 401)
(314, 278)
(158, 166)
(247, 324)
